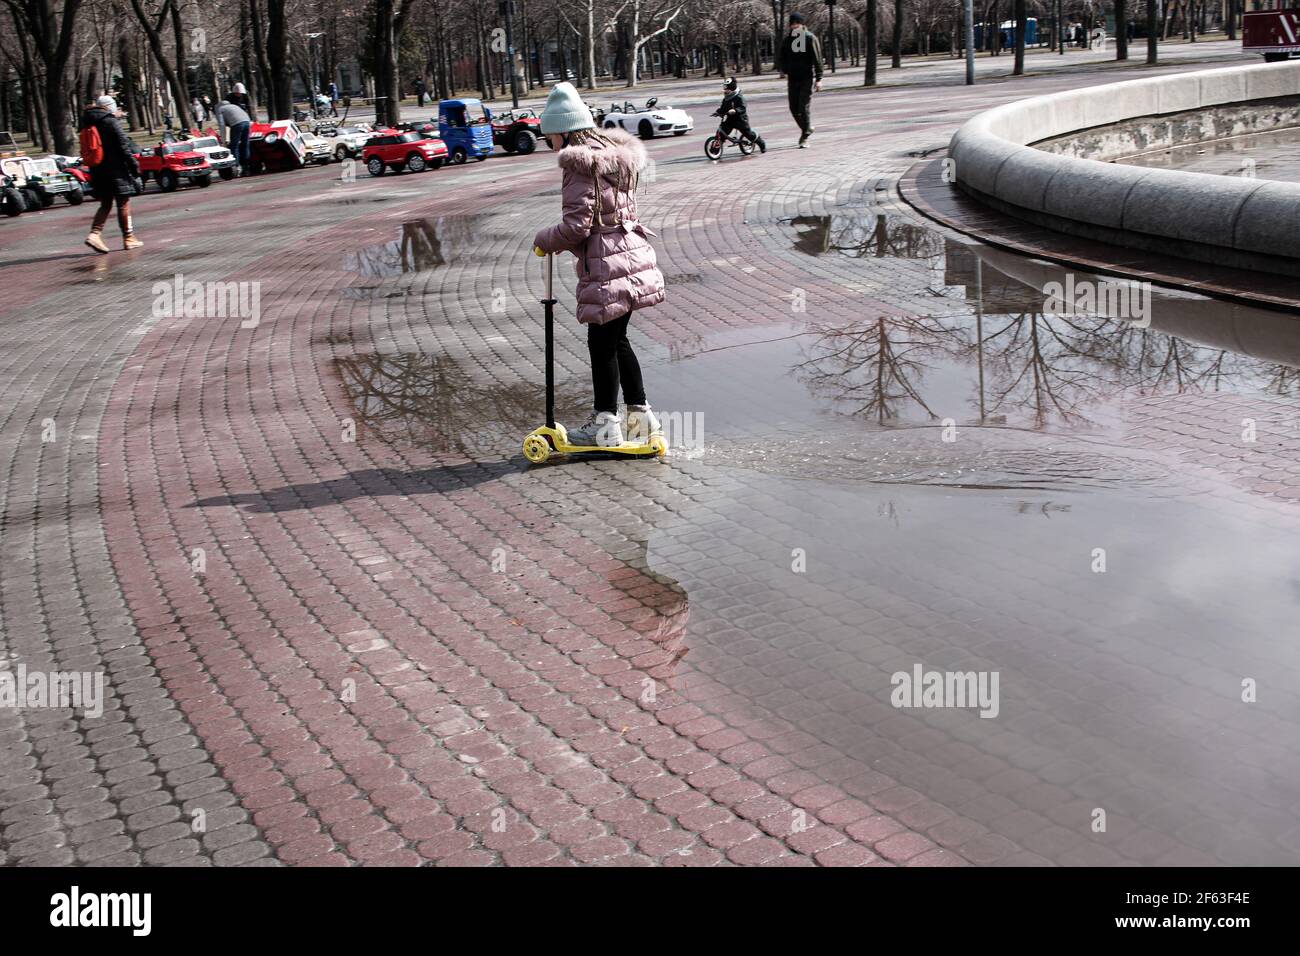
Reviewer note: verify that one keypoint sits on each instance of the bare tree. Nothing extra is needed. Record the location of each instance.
(51, 31)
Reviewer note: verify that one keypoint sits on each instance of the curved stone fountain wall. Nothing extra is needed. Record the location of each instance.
(1247, 223)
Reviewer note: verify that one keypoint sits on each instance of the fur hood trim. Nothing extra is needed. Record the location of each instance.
(620, 155)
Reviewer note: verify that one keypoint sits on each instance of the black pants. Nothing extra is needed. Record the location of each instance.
(613, 362)
(801, 102)
(731, 123)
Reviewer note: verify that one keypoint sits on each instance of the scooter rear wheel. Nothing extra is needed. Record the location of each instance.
(746, 146)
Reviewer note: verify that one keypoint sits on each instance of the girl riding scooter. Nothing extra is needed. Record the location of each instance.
(617, 270)
(734, 113)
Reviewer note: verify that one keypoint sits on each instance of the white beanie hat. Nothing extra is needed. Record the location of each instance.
(565, 112)
(108, 103)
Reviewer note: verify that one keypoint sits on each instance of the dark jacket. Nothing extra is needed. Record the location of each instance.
(802, 64)
(116, 175)
(241, 100)
(734, 101)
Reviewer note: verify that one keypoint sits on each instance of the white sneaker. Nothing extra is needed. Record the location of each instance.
(641, 424)
(603, 430)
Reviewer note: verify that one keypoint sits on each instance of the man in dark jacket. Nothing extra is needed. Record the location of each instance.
(114, 179)
(799, 60)
(735, 115)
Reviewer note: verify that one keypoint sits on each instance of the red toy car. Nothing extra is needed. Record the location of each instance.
(172, 164)
(275, 146)
(517, 131)
(397, 150)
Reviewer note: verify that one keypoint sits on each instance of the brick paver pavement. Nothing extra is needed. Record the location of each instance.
(339, 615)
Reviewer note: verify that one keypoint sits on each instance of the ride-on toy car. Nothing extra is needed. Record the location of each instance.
(13, 201)
(347, 141)
(41, 181)
(275, 146)
(466, 127)
(221, 159)
(516, 131)
(318, 148)
(171, 164)
(403, 149)
(73, 167)
(650, 120)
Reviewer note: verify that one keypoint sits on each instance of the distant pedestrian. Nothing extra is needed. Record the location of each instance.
(799, 60)
(233, 118)
(114, 172)
(334, 98)
(196, 105)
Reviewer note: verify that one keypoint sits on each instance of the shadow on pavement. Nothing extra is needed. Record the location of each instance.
(371, 483)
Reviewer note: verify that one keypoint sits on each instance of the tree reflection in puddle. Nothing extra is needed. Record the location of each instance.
(865, 237)
(431, 401)
(424, 245)
(1029, 366)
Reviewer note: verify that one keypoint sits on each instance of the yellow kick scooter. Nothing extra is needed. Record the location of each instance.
(541, 443)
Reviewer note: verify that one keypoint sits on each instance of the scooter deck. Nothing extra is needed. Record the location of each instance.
(544, 442)
(626, 448)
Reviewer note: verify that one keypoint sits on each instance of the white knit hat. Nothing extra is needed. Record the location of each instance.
(107, 103)
(565, 112)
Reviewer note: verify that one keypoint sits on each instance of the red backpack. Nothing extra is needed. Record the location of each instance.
(92, 147)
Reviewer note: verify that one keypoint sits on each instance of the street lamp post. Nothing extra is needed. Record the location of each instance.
(314, 79)
(831, 6)
(508, 11)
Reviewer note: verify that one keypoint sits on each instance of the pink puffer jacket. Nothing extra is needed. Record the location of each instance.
(617, 271)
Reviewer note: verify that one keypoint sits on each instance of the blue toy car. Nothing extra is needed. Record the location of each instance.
(466, 127)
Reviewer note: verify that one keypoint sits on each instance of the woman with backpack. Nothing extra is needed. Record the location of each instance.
(114, 171)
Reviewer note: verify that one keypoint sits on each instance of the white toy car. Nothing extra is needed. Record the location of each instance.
(319, 149)
(347, 141)
(219, 157)
(650, 120)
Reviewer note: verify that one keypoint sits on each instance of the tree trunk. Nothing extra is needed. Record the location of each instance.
(263, 65)
(1121, 29)
(591, 44)
(1021, 15)
(277, 59)
(1153, 54)
(561, 68)
(246, 60)
(51, 34)
(480, 58)
(871, 28)
(896, 60)
(175, 82)
(178, 40)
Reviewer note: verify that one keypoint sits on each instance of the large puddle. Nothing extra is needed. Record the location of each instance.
(1097, 508)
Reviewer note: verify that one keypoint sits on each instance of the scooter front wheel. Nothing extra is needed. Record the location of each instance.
(713, 147)
(536, 449)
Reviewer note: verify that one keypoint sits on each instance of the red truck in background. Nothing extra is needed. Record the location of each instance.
(1274, 33)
